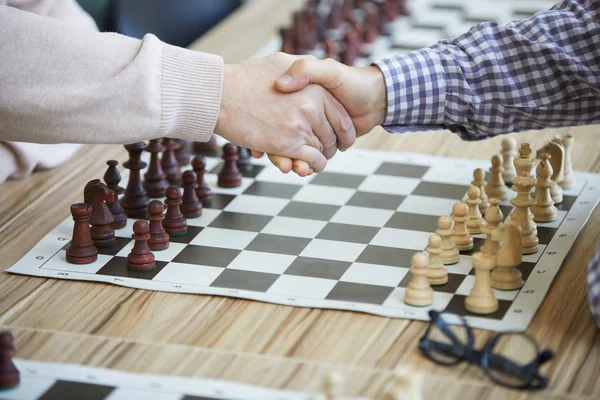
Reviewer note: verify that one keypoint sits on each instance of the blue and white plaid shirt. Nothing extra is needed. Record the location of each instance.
(539, 72)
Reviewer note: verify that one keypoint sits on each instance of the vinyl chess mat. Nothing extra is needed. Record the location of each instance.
(340, 239)
(50, 381)
(433, 20)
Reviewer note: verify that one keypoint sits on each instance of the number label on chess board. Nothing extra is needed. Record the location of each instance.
(341, 239)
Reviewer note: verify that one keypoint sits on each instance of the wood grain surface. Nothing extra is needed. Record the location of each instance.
(265, 344)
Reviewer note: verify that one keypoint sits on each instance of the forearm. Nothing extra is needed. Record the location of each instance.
(63, 84)
(540, 72)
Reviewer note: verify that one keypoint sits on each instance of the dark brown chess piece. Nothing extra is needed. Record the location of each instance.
(9, 374)
(169, 162)
(155, 180)
(230, 176)
(243, 162)
(81, 250)
(97, 193)
(174, 223)
(211, 147)
(135, 200)
(112, 177)
(159, 238)
(191, 207)
(183, 153)
(141, 258)
(202, 191)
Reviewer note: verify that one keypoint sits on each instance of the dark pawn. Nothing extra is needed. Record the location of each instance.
(183, 153)
(135, 201)
(230, 176)
(9, 374)
(174, 222)
(155, 180)
(112, 177)
(81, 250)
(243, 161)
(202, 191)
(169, 162)
(96, 193)
(191, 207)
(210, 148)
(140, 258)
(159, 239)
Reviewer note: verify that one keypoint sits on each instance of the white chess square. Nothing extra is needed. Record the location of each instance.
(426, 205)
(324, 195)
(298, 227)
(59, 263)
(224, 238)
(463, 267)
(533, 258)
(256, 205)
(333, 250)
(272, 174)
(127, 230)
(401, 238)
(34, 389)
(208, 216)
(467, 284)
(560, 216)
(262, 262)
(191, 274)
(211, 180)
(456, 173)
(161, 255)
(354, 163)
(370, 274)
(576, 189)
(389, 184)
(396, 300)
(302, 286)
(362, 216)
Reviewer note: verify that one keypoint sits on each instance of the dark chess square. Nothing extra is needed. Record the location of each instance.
(413, 222)
(192, 232)
(376, 200)
(403, 170)
(240, 221)
(299, 209)
(318, 268)
(270, 189)
(278, 244)
(204, 255)
(338, 180)
(117, 266)
(245, 280)
(389, 256)
(440, 190)
(457, 306)
(360, 293)
(67, 390)
(348, 233)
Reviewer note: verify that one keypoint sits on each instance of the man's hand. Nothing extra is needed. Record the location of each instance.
(308, 126)
(361, 91)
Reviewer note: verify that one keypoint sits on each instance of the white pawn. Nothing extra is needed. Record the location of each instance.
(481, 299)
(445, 231)
(437, 274)
(461, 237)
(568, 180)
(476, 221)
(479, 181)
(509, 152)
(419, 292)
(496, 188)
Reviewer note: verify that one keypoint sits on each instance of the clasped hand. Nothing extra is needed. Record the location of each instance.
(299, 110)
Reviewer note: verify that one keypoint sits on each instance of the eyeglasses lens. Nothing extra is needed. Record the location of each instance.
(510, 356)
(448, 343)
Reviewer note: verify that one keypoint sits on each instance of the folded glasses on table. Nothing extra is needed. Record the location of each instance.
(509, 359)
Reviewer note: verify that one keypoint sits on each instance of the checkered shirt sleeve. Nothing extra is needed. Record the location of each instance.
(593, 284)
(542, 71)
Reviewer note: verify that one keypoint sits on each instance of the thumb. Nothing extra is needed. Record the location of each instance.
(303, 72)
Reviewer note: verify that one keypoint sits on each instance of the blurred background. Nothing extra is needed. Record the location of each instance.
(177, 22)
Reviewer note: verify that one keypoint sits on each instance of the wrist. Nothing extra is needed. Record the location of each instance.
(229, 73)
(378, 102)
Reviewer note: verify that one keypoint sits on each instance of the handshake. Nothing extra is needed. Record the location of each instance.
(298, 109)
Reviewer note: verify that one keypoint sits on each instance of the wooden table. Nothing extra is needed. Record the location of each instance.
(265, 344)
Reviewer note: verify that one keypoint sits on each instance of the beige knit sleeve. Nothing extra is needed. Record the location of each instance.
(61, 84)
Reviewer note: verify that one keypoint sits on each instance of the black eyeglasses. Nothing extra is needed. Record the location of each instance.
(517, 367)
